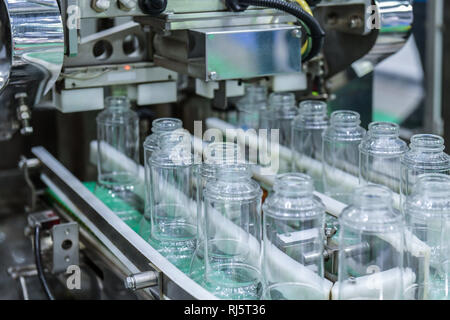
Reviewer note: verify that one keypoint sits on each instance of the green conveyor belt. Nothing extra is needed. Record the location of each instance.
(128, 215)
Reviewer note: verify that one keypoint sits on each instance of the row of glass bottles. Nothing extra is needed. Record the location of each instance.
(378, 157)
(379, 255)
(229, 224)
(350, 156)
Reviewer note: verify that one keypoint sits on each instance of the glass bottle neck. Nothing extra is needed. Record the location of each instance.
(345, 119)
(427, 143)
(294, 185)
(384, 129)
(313, 112)
(166, 125)
(117, 103)
(282, 101)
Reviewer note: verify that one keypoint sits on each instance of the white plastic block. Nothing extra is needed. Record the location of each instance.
(156, 93)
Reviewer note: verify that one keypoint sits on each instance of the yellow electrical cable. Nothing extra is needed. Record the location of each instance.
(305, 6)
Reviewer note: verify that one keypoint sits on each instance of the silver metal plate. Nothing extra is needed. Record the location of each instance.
(247, 52)
(65, 246)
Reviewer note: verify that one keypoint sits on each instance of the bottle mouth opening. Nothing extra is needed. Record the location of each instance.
(223, 153)
(313, 107)
(282, 99)
(384, 128)
(428, 141)
(294, 183)
(372, 196)
(345, 118)
(166, 124)
(117, 102)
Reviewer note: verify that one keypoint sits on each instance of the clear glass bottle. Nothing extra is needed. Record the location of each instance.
(380, 155)
(307, 130)
(215, 155)
(293, 226)
(118, 131)
(277, 120)
(151, 143)
(341, 154)
(426, 155)
(427, 214)
(174, 207)
(250, 106)
(279, 114)
(371, 248)
(233, 234)
(118, 158)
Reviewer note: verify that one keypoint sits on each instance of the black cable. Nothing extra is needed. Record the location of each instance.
(316, 33)
(38, 260)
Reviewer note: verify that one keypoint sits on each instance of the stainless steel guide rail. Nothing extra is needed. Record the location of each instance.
(127, 246)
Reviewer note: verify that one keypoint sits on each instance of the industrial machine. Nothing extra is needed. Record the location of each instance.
(60, 59)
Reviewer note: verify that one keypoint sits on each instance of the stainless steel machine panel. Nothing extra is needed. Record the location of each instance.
(246, 52)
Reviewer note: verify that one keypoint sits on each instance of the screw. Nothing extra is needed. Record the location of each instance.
(212, 75)
(296, 33)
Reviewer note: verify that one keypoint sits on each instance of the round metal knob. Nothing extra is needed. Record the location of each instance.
(153, 7)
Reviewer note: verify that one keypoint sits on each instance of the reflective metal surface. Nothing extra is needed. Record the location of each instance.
(396, 18)
(214, 54)
(390, 23)
(31, 53)
(5, 46)
(247, 52)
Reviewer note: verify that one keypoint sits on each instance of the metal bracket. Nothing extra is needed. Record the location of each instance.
(25, 165)
(66, 247)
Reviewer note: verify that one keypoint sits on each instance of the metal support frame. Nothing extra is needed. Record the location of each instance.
(446, 72)
(127, 246)
(434, 61)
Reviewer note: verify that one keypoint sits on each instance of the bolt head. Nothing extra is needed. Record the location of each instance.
(101, 5)
(213, 75)
(129, 283)
(296, 33)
